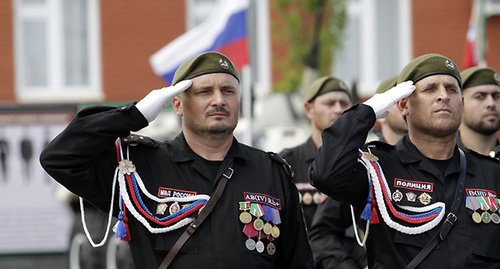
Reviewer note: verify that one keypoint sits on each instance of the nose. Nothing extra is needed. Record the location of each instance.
(491, 102)
(443, 95)
(218, 98)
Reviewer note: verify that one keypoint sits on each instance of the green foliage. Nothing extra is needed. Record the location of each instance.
(295, 28)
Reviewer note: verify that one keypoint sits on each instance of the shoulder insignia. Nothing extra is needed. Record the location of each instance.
(137, 139)
(379, 145)
(277, 158)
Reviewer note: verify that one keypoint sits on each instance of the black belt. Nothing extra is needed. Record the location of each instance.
(450, 218)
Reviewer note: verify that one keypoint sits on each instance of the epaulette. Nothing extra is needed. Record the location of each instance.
(277, 158)
(380, 145)
(137, 139)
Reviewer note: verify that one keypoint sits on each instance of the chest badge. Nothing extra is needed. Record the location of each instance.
(424, 198)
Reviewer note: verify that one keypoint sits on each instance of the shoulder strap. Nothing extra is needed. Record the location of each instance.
(450, 218)
(201, 217)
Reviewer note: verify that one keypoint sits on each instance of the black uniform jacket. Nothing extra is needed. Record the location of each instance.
(300, 158)
(83, 159)
(328, 221)
(337, 172)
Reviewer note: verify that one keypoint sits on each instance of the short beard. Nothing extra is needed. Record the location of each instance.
(482, 128)
(216, 132)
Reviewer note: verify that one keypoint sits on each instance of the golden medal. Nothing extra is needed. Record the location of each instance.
(258, 224)
(268, 228)
(245, 217)
(161, 208)
(307, 198)
(476, 217)
(275, 232)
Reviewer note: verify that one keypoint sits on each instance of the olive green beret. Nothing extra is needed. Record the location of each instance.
(323, 85)
(205, 63)
(476, 76)
(387, 84)
(429, 65)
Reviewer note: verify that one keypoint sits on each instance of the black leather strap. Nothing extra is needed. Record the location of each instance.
(201, 217)
(450, 218)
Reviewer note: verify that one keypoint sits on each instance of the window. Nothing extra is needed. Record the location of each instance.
(377, 43)
(57, 52)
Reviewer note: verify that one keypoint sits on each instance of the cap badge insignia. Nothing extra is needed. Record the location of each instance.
(223, 64)
(450, 65)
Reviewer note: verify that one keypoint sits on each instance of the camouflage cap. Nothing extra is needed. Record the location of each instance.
(476, 76)
(387, 84)
(205, 63)
(323, 85)
(429, 65)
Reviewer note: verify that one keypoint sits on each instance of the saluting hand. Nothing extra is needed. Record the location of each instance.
(151, 105)
(381, 102)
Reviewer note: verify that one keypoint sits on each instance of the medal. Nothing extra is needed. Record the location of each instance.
(317, 198)
(486, 217)
(161, 208)
(307, 198)
(369, 156)
(245, 217)
(424, 198)
(495, 218)
(259, 246)
(476, 217)
(174, 208)
(271, 248)
(258, 224)
(397, 196)
(275, 232)
(250, 244)
(268, 228)
(411, 196)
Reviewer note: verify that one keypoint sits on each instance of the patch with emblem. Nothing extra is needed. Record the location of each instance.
(397, 196)
(424, 198)
(411, 196)
(170, 192)
(481, 192)
(413, 185)
(262, 199)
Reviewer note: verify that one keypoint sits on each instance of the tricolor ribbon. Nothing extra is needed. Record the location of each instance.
(256, 210)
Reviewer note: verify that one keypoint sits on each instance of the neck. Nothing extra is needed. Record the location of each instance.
(477, 142)
(441, 148)
(390, 136)
(209, 149)
(316, 136)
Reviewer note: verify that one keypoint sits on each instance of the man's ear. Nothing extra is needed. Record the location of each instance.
(308, 110)
(177, 105)
(403, 106)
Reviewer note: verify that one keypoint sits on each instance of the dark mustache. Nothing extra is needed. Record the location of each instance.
(218, 110)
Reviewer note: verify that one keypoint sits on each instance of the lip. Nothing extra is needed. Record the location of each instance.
(218, 114)
(491, 115)
(442, 110)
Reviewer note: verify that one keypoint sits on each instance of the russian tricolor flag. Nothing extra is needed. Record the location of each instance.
(225, 31)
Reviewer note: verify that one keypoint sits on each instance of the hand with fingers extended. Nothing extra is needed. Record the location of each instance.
(151, 105)
(381, 102)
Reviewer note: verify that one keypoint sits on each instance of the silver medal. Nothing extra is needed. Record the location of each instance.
(259, 246)
(250, 244)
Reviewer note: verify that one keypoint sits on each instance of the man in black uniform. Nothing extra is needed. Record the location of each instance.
(256, 223)
(326, 98)
(481, 120)
(422, 191)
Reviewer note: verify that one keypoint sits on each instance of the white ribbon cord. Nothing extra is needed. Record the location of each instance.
(110, 216)
(383, 209)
